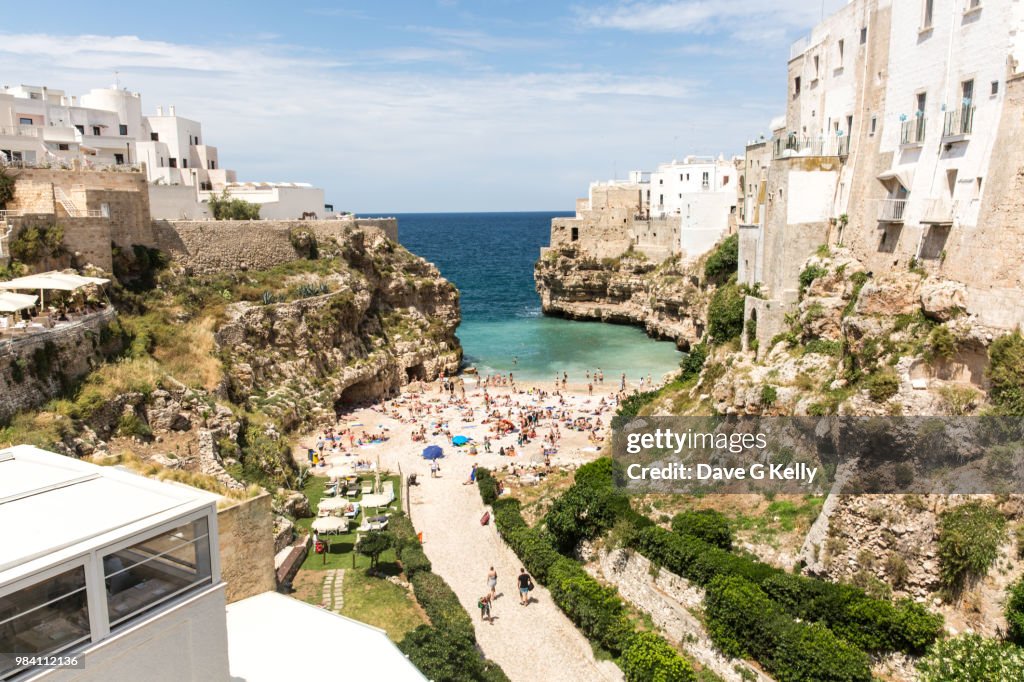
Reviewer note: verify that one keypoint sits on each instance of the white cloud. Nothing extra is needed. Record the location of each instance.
(384, 135)
(744, 20)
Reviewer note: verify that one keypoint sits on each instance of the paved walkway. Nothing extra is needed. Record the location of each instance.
(333, 597)
(531, 643)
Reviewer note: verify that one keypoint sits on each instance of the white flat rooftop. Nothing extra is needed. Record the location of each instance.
(272, 637)
(53, 507)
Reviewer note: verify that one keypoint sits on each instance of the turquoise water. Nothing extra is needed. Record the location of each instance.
(490, 257)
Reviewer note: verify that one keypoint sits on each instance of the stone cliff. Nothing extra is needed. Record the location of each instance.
(666, 299)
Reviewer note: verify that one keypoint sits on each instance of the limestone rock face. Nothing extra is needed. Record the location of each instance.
(896, 296)
(388, 318)
(943, 299)
(665, 300)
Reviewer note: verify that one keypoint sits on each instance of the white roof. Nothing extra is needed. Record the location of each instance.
(53, 507)
(12, 303)
(62, 281)
(357, 651)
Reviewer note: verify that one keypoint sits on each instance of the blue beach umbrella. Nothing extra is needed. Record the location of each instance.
(459, 440)
(432, 452)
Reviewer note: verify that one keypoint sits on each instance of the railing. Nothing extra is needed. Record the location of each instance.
(26, 131)
(5, 214)
(793, 145)
(912, 131)
(891, 210)
(74, 211)
(958, 121)
(939, 212)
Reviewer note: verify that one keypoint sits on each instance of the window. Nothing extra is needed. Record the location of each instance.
(922, 100)
(22, 120)
(863, 35)
(874, 125)
(725, 180)
(929, 10)
(704, 180)
(995, 88)
(44, 618)
(213, 164)
(842, 50)
(34, 95)
(575, 234)
(680, 177)
(80, 129)
(184, 163)
(172, 162)
(661, 181)
(62, 146)
(796, 86)
(119, 159)
(817, 61)
(155, 137)
(140, 577)
(96, 130)
(974, 4)
(122, 129)
(967, 92)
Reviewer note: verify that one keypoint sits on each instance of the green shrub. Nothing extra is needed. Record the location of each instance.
(1015, 612)
(631, 404)
(809, 274)
(595, 609)
(824, 347)
(223, 207)
(971, 658)
(941, 344)
(725, 312)
(7, 182)
(882, 386)
(874, 624)
(534, 547)
(131, 425)
(443, 655)
(407, 546)
(969, 539)
(768, 395)
(488, 485)
(440, 603)
(724, 260)
(36, 242)
(1006, 373)
(743, 621)
(649, 658)
(704, 524)
(582, 513)
(693, 361)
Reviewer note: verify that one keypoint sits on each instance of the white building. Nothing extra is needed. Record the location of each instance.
(106, 127)
(699, 195)
(123, 572)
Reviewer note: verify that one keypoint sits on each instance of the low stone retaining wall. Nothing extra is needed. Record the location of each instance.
(668, 599)
(36, 367)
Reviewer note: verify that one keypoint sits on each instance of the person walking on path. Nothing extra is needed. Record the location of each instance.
(484, 603)
(472, 476)
(525, 585)
(492, 582)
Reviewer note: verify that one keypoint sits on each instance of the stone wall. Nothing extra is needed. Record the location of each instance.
(670, 601)
(208, 246)
(37, 367)
(246, 538)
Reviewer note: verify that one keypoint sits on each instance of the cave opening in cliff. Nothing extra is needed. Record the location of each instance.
(363, 391)
(416, 372)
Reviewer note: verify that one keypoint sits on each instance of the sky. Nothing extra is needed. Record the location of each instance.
(432, 105)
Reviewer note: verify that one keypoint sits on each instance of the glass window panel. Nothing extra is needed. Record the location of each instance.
(43, 618)
(147, 574)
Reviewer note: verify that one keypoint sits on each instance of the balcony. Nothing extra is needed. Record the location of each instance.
(912, 132)
(958, 124)
(19, 131)
(793, 145)
(891, 210)
(939, 212)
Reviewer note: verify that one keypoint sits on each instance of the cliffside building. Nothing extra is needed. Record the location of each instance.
(901, 141)
(682, 208)
(40, 126)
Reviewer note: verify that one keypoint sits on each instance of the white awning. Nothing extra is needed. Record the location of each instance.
(902, 174)
(12, 303)
(59, 281)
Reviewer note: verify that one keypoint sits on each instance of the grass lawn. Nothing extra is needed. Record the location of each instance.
(342, 550)
(381, 604)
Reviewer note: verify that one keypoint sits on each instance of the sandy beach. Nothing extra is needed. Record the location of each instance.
(535, 642)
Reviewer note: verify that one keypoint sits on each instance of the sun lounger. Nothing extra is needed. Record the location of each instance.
(367, 488)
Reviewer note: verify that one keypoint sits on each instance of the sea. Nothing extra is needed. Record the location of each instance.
(490, 258)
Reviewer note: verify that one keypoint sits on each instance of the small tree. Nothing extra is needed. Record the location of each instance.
(224, 207)
(373, 544)
(7, 181)
(969, 539)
